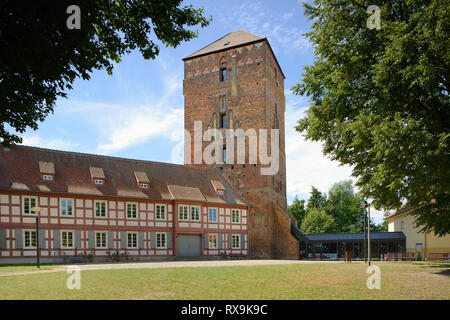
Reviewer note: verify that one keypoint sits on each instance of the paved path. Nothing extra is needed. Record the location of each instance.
(167, 264)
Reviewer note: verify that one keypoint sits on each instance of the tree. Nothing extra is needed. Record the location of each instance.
(40, 56)
(317, 221)
(317, 199)
(297, 210)
(380, 102)
(345, 207)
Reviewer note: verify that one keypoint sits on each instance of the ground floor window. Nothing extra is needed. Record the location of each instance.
(67, 239)
(100, 240)
(213, 241)
(235, 241)
(30, 239)
(132, 240)
(161, 241)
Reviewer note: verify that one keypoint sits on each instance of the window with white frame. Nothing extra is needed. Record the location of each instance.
(66, 207)
(183, 213)
(235, 216)
(213, 241)
(132, 210)
(132, 240)
(100, 240)
(212, 215)
(47, 177)
(29, 239)
(143, 185)
(67, 239)
(161, 241)
(160, 210)
(28, 203)
(235, 241)
(195, 213)
(98, 181)
(100, 209)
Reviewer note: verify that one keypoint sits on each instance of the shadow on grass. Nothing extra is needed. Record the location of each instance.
(438, 265)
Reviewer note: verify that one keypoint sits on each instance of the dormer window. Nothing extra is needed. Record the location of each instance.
(47, 177)
(47, 170)
(218, 187)
(142, 179)
(98, 181)
(97, 175)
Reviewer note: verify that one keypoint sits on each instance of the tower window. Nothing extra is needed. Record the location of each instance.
(224, 155)
(223, 74)
(223, 120)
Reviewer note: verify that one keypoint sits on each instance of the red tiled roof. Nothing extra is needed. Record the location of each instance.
(19, 169)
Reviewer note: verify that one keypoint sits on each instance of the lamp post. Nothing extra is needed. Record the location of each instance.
(364, 205)
(368, 234)
(37, 210)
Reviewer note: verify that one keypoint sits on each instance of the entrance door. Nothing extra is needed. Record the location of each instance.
(189, 245)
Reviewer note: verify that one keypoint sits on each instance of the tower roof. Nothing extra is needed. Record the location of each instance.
(231, 40)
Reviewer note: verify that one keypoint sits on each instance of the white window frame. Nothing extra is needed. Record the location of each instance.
(143, 185)
(106, 209)
(31, 241)
(156, 212)
(216, 245)
(60, 207)
(238, 215)
(47, 177)
(209, 220)
(98, 181)
(137, 210)
(199, 213)
(62, 239)
(220, 192)
(186, 207)
(128, 240)
(106, 240)
(233, 236)
(165, 240)
(30, 206)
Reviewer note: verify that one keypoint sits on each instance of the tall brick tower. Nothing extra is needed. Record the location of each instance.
(237, 83)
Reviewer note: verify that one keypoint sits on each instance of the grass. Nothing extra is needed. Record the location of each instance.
(25, 267)
(399, 280)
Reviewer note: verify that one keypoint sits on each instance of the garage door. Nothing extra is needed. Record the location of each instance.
(189, 245)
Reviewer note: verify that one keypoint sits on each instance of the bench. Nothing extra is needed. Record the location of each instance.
(438, 256)
(395, 256)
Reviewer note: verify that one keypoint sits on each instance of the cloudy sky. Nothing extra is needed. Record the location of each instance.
(138, 111)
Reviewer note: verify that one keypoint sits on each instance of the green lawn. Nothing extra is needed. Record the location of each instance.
(399, 280)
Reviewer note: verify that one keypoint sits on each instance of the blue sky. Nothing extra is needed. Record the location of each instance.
(138, 111)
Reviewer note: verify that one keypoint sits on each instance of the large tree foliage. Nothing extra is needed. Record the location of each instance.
(342, 204)
(380, 102)
(317, 221)
(40, 56)
(297, 210)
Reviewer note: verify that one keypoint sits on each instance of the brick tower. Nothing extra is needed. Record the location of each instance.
(237, 83)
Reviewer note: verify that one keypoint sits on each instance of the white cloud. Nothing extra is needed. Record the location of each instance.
(35, 140)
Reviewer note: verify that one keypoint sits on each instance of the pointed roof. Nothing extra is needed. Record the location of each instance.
(231, 40)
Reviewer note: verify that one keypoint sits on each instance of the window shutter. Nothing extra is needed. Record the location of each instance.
(141, 244)
(42, 242)
(78, 239)
(206, 240)
(242, 238)
(56, 239)
(169, 240)
(91, 239)
(18, 234)
(123, 240)
(229, 241)
(2, 238)
(152, 240)
(220, 240)
(110, 235)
